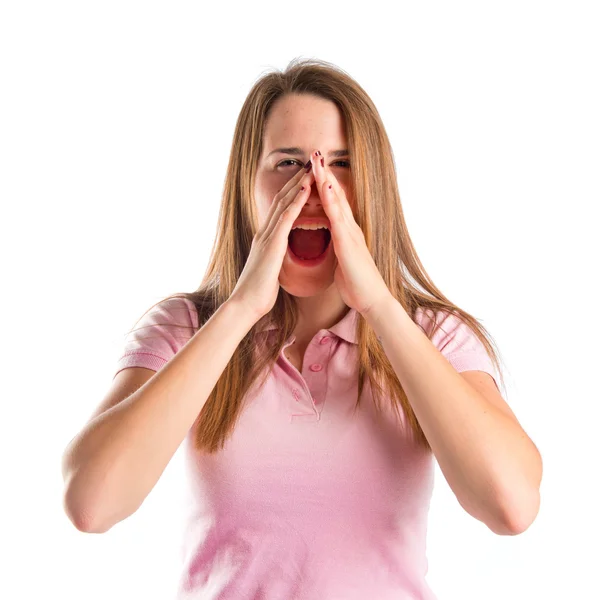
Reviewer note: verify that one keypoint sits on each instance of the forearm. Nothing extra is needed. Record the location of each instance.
(117, 459)
(487, 459)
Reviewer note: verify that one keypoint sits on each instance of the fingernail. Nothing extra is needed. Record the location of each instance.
(308, 165)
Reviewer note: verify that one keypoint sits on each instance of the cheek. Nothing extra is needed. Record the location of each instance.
(350, 197)
(267, 188)
(264, 199)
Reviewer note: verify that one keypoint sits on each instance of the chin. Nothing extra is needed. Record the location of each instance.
(303, 285)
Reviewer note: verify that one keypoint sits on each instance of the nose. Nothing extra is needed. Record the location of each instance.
(314, 199)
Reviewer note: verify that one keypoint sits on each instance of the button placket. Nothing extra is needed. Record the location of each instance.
(317, 355)
(313, 376)
(297, 392)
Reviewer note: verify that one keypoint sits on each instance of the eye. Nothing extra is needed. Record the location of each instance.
(293, 160)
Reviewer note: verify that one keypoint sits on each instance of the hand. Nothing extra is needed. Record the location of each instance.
(357, 278)
(258, 284)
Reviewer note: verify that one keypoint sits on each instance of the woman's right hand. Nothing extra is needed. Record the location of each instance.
(258, 285)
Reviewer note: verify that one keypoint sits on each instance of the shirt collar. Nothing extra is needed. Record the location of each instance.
(345, 328)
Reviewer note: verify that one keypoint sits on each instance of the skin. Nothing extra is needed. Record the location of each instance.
(312, 124)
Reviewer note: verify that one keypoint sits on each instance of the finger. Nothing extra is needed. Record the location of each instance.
(283, 224)
(292, 181)
(294, 194)
(282, 194)
(334, 197)
(339, 196)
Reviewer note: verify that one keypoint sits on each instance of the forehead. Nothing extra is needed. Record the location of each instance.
(305, 121)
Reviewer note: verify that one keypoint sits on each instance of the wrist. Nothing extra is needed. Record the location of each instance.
(379, 305)
(378, 313)
(240, 312)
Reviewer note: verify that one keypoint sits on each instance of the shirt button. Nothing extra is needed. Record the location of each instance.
(315, 367)
(325, 340)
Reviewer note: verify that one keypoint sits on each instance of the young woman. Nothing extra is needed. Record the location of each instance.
(312, 382)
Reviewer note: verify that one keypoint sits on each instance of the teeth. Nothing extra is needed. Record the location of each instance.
(320, 226)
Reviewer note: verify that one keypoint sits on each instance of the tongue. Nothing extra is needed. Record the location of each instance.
(308, 243)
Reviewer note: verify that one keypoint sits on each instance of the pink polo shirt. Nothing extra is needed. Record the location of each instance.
(307, 501)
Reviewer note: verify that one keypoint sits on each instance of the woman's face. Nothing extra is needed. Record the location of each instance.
(311, 124)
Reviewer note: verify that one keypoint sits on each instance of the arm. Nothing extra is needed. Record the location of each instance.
(492, 466)
(114, 462)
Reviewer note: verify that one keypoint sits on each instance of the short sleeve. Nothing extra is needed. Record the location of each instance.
(457, 342)
(159, 335)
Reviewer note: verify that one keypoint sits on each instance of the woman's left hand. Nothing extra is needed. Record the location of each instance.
(358, 280)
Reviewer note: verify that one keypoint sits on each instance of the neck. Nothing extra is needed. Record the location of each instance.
(319, 312)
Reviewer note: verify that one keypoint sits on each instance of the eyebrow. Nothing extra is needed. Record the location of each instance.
(295, 151)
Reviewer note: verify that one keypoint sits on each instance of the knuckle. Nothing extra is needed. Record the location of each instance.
(286, 215)
(259, 238)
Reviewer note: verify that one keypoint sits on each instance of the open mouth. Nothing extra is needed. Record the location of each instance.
(309, 244)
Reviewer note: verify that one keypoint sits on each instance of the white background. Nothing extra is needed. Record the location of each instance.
(116, 121)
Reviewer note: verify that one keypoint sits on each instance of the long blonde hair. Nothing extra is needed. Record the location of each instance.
(373, 175)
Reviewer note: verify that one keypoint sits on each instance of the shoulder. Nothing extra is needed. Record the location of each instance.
(159, 333)
(455, 339)
(441, 325)
(172, 311)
